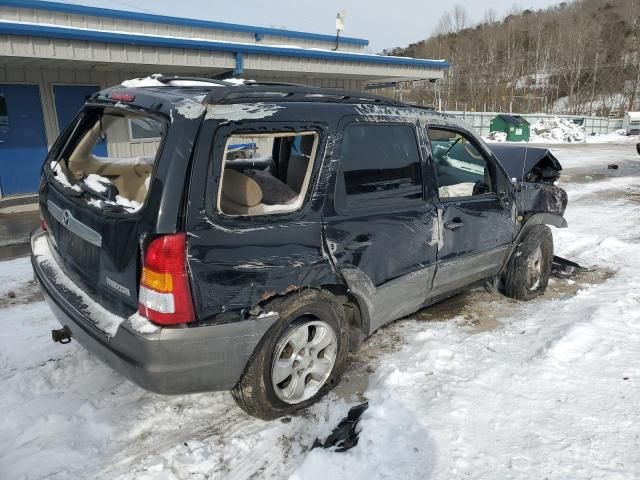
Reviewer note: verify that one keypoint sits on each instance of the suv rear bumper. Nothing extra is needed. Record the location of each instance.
(169, 360)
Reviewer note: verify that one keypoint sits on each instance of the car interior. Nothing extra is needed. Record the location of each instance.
(128, 163)
(266, 173)
(461, 169)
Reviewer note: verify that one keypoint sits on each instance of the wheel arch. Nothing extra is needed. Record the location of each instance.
(552, 219)
(356, 312)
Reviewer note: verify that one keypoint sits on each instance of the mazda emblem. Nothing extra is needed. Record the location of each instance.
(66, 216)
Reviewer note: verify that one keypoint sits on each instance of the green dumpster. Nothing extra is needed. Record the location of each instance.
(516, 127)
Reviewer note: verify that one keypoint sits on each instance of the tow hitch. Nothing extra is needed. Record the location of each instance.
(62, 335)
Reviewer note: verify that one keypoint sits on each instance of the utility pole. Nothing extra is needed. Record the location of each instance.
(593, 86)
(339, 26)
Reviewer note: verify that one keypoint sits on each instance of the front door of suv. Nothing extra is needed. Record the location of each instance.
(379, 228)
(475, 208)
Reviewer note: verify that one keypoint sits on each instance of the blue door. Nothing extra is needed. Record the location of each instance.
(23, 143)
(69, 99)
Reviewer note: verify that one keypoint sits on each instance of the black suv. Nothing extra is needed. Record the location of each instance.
(203, 235)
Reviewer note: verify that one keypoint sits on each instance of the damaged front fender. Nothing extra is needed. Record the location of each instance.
(534, 198)
(534, 171)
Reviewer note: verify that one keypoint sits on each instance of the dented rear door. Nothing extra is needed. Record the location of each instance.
(381, 221)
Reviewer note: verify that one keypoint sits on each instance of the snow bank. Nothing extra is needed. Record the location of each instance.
(619, 136)
(560, 130)
(556, 130)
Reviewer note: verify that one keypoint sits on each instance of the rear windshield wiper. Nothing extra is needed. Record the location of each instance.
(101, 190)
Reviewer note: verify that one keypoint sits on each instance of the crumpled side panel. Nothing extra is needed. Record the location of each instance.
(540, 198)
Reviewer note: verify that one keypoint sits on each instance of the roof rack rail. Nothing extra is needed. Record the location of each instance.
(294, 93)
(174, 78)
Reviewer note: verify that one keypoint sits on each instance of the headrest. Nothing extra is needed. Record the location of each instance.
(306, 144)
(240, 188)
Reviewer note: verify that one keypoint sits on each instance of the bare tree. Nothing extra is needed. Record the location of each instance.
(580, 57)
(459, 18)
(490, 16)
(444, 25)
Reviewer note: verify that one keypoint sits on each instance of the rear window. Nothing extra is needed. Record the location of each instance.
(104, 163)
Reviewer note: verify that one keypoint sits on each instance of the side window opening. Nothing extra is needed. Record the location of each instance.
(461, 169)
(380, 162)
(144, 128)
(266, 173)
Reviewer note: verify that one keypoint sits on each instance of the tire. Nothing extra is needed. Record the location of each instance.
(262, 391)
(529, 268)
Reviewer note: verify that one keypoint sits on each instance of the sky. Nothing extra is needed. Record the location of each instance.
(386, 24)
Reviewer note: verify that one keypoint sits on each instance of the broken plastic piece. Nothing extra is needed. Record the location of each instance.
(345, 435)
(563, 268)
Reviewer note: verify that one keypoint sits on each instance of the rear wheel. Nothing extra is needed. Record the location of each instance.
(299, 359)
(527, 273)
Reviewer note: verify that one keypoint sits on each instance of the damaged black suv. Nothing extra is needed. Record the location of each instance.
(204, 235)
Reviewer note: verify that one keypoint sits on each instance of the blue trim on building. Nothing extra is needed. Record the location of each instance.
(185, 22)
(65, 33)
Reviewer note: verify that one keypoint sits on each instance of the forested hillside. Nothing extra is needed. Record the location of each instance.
(580, 57)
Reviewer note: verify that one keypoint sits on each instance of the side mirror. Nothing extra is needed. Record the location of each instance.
(481, 188)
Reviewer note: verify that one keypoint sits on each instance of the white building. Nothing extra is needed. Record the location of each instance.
(53, 56)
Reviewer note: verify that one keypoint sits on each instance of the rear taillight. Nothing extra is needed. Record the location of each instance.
(165, 296)
(43, 224)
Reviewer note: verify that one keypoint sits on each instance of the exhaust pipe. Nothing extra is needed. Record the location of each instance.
(62, 335)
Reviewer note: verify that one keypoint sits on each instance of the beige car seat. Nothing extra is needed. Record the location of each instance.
(128, 175)
(240, 194)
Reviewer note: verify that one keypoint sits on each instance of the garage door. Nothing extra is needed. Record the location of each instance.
(23, 144)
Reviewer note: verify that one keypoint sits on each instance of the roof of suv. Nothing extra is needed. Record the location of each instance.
(159, 93)
(233, 91)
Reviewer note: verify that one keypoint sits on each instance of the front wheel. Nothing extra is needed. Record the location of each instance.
(300, 358)
(527, 273)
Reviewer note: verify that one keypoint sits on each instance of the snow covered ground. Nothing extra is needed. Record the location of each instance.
(560, 130)
(477, 387)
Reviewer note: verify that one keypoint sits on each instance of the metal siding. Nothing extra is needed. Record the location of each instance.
(158, 28)
(156, 58)
(133, 39)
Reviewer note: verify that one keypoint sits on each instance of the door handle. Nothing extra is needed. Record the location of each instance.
(454, 224)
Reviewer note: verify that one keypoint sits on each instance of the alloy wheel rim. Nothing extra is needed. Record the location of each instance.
(534, 271)
(303, 361)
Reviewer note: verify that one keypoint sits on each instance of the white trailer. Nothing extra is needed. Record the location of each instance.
(631, 123)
